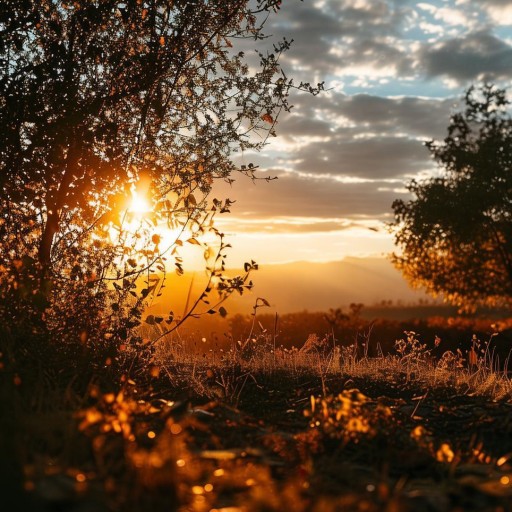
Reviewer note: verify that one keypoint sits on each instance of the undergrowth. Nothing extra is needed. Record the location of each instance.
(255, 426)
(475, 371)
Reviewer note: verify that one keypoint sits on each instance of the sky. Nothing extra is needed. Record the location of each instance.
(395, 70)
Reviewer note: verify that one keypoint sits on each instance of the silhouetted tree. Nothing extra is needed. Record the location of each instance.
(455, 235)
(100, 100)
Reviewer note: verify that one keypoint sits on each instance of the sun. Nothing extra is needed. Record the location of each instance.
(139, 205)
(142, 232)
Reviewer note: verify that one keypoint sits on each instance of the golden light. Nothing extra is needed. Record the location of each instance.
(139, 205)
(141, 233)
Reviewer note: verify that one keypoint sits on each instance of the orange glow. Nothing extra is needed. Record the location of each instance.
(139, 205)
(144, 232)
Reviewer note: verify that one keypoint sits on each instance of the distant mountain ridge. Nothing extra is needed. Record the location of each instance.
(320, 286)
(298, 286)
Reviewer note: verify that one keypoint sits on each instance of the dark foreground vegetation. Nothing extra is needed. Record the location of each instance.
(255, 428)
(370, 331)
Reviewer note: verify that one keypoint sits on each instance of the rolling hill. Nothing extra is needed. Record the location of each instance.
(301, 286)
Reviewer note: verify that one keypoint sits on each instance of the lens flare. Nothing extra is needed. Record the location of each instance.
(139, 205)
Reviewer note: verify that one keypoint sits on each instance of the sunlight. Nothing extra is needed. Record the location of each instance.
(139, 205)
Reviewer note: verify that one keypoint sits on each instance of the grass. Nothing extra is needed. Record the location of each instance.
(412, 363)
(258, 427)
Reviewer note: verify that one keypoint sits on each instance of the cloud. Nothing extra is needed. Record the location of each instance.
(362, 135)
(422, 117)
(474, 56)
(448, 15)
(398, 69)
(499, 11)
(286, 224)
(396, 39)
(293, 195)
(374, 156)
(333, 38)
(304, 125)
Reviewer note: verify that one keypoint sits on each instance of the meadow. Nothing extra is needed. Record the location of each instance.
(253, 425)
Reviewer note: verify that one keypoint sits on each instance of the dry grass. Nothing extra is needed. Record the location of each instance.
(257, 427)
(412, 363)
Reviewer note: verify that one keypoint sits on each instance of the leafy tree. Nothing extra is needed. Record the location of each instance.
(455, 235)
(101, 101)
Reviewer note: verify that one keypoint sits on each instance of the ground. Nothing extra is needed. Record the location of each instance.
(209, 438)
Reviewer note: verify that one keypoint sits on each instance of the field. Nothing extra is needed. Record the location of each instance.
(262, 428)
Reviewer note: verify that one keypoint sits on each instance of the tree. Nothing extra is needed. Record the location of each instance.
(101, 101)
(455, 235)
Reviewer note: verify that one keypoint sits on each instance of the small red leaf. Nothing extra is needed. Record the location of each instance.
(267, 118)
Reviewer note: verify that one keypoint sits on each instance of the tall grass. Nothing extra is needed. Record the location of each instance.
(476, 372)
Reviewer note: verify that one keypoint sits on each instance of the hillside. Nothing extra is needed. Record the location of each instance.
(304, 285)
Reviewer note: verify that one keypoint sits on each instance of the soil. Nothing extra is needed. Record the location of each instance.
(275, 443)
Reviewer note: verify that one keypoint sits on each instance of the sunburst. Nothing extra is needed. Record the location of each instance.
(139, 205)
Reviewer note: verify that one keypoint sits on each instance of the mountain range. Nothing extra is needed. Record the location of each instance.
(303, 285)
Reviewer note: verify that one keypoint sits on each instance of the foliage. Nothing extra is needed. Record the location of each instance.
(348, 416)
(294, 438)
(411, 349)
(455, 235)
(117, 118)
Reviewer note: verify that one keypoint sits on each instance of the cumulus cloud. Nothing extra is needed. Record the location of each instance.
(371, 156)
(287, 224)
(474, 56)
(422, 117)
(341, 33)
(448, 15)
(499, 11)
(398, 69)
(296, 195)
(397, 39)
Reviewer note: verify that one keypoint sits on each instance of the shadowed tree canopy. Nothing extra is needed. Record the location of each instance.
(455, 235)
(103, 99)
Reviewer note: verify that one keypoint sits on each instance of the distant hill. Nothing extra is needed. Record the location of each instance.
(320, 286)
(299, 286)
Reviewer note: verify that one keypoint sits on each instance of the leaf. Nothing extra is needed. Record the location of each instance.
(190, 200)
(193, 241)
(222, 312)
(219, 454)
(150, 320)
(267, 118)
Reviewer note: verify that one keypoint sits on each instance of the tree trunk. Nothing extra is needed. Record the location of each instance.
(45, 247)
(54, 210)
